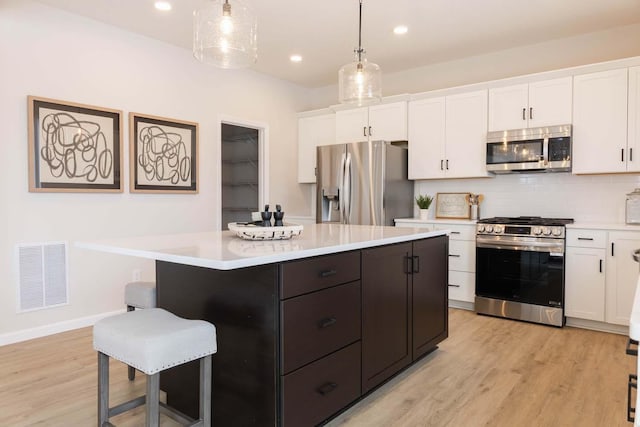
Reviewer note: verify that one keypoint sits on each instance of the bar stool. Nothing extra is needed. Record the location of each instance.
(139, 295)
(151, 341)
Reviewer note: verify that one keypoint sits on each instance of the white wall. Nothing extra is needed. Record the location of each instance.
(593, 198)
(616, 43)
(49, 53)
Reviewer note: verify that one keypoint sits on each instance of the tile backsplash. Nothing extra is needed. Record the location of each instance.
(592, 198)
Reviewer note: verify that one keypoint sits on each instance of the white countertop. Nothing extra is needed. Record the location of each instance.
(224, 251)
(604, 226)
(437, 221)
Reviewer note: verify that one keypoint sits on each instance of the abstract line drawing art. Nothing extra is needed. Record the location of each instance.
(164, 154)
(73, 147)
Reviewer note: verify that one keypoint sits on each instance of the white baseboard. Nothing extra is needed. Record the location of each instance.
(598, 326)
(55, 328)
(462, 304)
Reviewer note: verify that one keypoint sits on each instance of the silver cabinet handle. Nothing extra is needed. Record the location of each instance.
(454, 256)
(454, 286)
(636, 255)
(530, 113)
(524, 112)
(370, 133)
(586, 238)
(364, 131)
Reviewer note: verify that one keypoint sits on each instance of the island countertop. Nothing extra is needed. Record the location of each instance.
(222, 250)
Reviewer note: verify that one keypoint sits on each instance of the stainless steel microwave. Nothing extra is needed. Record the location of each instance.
(544, 149)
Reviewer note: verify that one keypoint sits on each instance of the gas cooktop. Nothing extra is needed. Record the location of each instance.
(526, 220)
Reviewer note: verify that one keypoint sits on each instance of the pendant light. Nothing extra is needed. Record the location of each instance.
(225, 34)
(359, 81)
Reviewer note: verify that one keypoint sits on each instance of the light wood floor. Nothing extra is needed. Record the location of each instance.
(489, 372)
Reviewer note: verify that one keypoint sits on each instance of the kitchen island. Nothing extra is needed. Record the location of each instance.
(305, 326)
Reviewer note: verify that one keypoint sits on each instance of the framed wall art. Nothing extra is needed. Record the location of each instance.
(73, 147)
(453, 205)
(163, 155)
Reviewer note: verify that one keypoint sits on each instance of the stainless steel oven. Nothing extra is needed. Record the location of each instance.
(520, 268)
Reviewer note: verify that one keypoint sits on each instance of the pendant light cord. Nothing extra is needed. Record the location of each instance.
(360, 34)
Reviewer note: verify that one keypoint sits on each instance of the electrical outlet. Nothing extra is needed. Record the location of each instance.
(136, 275)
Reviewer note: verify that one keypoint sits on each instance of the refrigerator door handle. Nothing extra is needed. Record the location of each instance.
(347, 189)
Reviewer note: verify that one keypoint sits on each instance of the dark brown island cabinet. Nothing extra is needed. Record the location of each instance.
(300, 341)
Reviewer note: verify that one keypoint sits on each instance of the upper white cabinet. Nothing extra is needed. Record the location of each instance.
(622, 275)
(633, 135)
(543, 103)
(385, 122)
(447, 136)
(313, 131)
(600, 123)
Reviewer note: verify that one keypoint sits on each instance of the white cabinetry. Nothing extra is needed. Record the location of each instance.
(462, 257)
(622, 275)
(633, 135)
(386, 122)
(312, 132)
(447, 136)
(585, 274)
(543, 103)
(600, 123)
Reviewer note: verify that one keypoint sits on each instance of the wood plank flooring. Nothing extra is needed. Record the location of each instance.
(489, 372)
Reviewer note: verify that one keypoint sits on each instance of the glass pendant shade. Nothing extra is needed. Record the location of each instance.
(359, 82)
(225, 34)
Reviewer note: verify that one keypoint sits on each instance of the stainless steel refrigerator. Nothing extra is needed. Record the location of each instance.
(363, 183)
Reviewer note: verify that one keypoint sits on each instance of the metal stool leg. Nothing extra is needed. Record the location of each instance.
(153, 400)
(206, 368)
(103, 389)
(131, 372)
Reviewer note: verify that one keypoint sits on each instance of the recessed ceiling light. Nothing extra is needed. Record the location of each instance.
(400, 29)
(295, 58)
(162, 5)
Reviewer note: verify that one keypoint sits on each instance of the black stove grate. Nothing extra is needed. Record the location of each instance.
(526, 220)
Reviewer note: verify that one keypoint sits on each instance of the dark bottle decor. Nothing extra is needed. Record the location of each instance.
(278, 215)
(266, 216)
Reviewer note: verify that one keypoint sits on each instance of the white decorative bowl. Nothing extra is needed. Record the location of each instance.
(256, 232)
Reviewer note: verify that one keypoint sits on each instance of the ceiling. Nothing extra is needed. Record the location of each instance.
(325, 32)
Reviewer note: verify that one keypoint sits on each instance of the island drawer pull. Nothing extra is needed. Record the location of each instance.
(586, 238)
(327, 388)
(631, 411)
(325, 323)
(454, 286)
(328, 273)
(630, 351)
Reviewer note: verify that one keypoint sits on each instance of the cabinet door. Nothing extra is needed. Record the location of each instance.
(466, 134)
(585, 283)
(430, 293)
(426, 138)
(352, 125)
(600, 122)
(508, 107)
(622, 276)
(386, 313)
(550, 102)
(633, 141)
(313, 131)
(388, 122)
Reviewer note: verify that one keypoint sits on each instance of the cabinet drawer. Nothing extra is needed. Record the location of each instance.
(308, 275)
(319, 323)
(586, 238)
(315, 392)
(462, 255)
(462, 286)
(458, 232)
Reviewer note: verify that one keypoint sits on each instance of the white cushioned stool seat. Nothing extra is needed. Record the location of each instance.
(140, 294)
(153, 340)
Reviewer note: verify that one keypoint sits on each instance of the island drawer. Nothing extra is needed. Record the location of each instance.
(315, 392)
(308, 275)
(319, 323)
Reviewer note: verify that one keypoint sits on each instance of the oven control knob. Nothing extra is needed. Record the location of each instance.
(497, 229)
(546, 231)
(488, 228)
(556, 231)
(537, 231)
(480, 228)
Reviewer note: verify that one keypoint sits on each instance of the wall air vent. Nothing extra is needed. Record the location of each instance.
(42, 272)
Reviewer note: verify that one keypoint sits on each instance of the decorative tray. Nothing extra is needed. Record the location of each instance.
(256, 232)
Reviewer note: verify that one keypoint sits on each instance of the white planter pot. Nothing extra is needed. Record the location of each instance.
(424, 214)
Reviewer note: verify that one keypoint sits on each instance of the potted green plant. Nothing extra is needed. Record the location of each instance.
(424, 203)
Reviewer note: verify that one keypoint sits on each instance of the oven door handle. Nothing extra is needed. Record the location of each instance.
(553, 248)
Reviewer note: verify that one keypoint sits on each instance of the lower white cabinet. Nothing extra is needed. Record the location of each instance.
(601, 274)
(585, 283)
(622, 276)
(462, 256)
